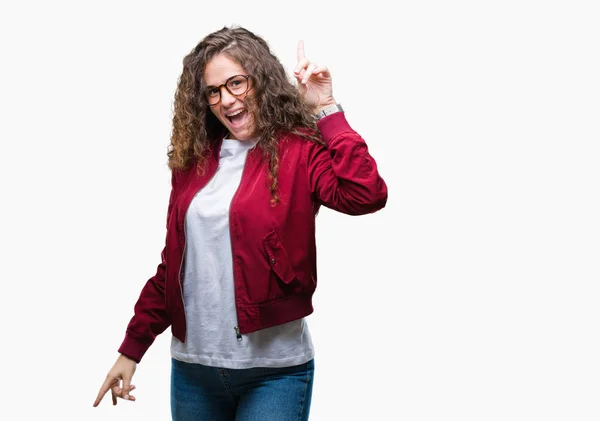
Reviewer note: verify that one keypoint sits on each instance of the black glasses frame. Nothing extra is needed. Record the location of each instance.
(205, 97)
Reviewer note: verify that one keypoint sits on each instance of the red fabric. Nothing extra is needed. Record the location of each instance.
(274, 252)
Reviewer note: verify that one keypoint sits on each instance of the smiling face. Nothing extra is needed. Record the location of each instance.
(231, 109)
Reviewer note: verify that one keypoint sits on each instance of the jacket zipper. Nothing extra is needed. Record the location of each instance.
(238, 335)
(185, 247)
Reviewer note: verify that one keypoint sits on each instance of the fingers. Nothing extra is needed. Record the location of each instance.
(126, 395)
(303, 63)
(106, 386)
(116, 391)
(300, 68)
(119, 392)
(312, 69)
(122, 392)
(300, 51)
(126, 388)
(305, 73)
(305, 69)
(123, 369)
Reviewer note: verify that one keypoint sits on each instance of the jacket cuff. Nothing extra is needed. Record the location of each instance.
(332, 125)
(133, 348)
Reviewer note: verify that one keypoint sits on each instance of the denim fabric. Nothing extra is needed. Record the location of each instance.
(203, 393)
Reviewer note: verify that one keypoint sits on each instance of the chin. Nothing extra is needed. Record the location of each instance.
(243, 135)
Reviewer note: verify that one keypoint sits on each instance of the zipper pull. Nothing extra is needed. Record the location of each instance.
(238, 335)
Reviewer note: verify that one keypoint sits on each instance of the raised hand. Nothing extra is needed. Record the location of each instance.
(314, 81)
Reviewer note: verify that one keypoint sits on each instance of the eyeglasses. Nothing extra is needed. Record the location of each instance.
(235, 85)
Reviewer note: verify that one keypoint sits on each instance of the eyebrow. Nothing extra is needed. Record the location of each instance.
(214, 86)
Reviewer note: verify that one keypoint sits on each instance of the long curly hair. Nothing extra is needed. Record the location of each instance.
(274, 103)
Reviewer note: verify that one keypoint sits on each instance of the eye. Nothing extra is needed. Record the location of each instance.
(212, 92)
(237, 85)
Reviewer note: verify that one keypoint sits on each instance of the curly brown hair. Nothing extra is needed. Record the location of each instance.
(275, 103)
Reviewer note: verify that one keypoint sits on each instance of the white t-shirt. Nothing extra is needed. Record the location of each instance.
(208, 293)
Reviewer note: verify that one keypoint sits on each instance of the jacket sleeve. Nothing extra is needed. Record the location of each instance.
(150, 314)
(343, 176)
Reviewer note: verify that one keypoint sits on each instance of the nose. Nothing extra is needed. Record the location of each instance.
(226, 97)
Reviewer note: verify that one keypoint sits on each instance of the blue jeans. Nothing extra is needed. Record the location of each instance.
(202, 393)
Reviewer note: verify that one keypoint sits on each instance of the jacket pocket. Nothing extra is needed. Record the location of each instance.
(278, 258)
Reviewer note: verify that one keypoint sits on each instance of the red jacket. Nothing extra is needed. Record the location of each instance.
(273, 248)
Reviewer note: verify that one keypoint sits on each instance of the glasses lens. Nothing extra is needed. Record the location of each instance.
(212, 95)
(237, 85)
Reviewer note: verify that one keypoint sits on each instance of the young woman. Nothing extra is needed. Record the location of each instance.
(253, 156)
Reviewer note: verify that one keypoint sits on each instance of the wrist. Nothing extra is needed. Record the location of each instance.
(328, 103)
(325, 110)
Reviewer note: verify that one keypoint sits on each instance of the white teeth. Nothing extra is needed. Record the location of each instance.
(235, 113)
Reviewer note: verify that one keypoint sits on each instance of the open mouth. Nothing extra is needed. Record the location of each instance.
(238, 117)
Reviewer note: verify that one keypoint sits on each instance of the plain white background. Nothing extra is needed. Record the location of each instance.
(472, 296)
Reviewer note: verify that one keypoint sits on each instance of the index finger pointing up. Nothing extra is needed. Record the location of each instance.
(300, 50)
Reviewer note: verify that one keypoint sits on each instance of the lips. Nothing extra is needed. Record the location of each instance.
(234, 113)
(237, 118)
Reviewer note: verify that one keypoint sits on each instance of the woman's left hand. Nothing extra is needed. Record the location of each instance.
(314, 81)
